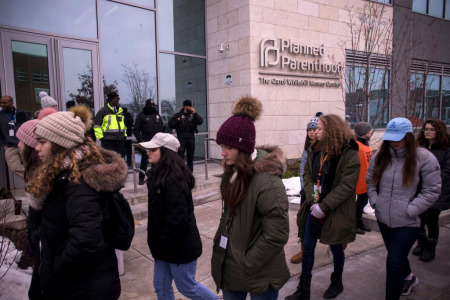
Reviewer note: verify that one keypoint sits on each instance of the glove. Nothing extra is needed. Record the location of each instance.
(317, 212)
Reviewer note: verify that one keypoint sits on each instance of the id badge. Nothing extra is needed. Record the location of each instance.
(317, 189)
(223, 241)
(11, 132)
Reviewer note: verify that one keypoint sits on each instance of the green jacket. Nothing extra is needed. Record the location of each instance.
(254, 257)
(110, 125)
(339, 204)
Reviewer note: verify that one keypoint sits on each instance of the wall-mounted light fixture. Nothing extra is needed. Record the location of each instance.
(223, 47)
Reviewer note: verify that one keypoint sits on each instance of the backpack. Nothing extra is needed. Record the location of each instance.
(118, 221)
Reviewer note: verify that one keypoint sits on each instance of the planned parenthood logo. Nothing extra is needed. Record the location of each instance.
(266, 51)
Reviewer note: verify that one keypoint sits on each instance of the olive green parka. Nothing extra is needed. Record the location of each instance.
(254, 257)
(339, 204)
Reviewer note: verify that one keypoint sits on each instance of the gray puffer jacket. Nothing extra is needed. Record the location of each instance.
(399, 206)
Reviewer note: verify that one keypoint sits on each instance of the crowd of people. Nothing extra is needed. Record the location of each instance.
(67, 175)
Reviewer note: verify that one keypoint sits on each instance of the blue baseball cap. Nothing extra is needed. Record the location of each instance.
(396, 129)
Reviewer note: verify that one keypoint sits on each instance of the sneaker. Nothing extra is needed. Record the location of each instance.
(360, 231)
(409, 285)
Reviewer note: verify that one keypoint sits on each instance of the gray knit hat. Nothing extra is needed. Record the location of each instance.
(66, 129)
(362, 128)
(46, 100)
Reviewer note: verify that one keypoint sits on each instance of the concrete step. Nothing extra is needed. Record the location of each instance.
(206, 195)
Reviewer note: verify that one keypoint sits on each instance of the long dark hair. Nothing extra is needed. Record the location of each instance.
(171, 165)
(307, 140)
(234, 192)
(31, 161)
(441, 133)
(384, 159)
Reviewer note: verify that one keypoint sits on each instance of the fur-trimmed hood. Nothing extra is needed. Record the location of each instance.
(107, 177)
(270, 159)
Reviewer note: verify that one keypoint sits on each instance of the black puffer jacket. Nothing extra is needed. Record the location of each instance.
(148, 123)
(76, 263)
(172, 229)
(443, 157)
(185, 124)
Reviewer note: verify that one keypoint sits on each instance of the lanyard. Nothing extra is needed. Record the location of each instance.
(323, 160)
(13, 119)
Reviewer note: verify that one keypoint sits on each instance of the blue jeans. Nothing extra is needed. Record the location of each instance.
(399, 242)
(270, 294)
(309, 246)
(184, 277)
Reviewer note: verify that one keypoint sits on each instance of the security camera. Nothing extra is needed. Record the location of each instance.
(223, 47)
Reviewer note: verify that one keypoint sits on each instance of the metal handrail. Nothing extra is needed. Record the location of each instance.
(206, 142)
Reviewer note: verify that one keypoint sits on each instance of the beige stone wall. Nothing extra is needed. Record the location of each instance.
(287, 109)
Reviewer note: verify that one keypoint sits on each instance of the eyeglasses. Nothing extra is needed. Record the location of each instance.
(429, 129)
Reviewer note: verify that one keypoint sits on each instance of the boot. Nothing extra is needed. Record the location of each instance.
(297, 258)
(335, 287)
(421, 242)
(430, 250)
(303, 291)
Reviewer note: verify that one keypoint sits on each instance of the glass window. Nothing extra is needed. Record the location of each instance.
(383, 1)
(432, 97)
(436, 8)
(354, 94)
(378, 97)
(182, 78)
(446, 99)
(447, 9)
(182, 26)
(150, 3)
(128, 53)
(69, 17)
(420, 6)
(415, 107)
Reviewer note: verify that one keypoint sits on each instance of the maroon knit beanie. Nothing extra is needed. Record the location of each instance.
(239, 130)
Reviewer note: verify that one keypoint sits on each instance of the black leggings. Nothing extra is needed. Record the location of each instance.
(430, 218)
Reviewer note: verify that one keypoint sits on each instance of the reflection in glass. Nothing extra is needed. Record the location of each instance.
(76, 18)
(416, 103)
(149, 3)
(78, 85)
(183, 78)
(182, 26)
(128, 53)
(446, 99)
(447, 9)
(420, 6)
(436, 8)
(30, 64)
(378, 97)
(432, 96)
(354, 94)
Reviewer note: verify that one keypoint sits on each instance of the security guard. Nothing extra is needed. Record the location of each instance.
(185, 122)
(109, 125)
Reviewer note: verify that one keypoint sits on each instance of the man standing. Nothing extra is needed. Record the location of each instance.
(148, 123)
(185, 122)
(363, 131)
(10, 121)
(109, 125)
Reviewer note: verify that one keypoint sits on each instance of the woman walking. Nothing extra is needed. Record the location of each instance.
(310, 134)
(248, 255)
(403, 181)
(433, 136)
(328, 213)
(173, 236)
(76, 262)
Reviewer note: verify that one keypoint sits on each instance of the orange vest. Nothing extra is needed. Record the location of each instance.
(365, 154)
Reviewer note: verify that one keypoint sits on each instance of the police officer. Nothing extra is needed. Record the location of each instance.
(109, 125)
(185, 122)
(147, 124)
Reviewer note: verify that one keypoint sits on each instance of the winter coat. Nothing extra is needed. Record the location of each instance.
(110, 125)
(339, 203)
(185, 124)
(172, 233)
(399, 206)
(76, 263)
(19, 117)
(443, 157)
(147, 124)
(302, 166)
(254, 258)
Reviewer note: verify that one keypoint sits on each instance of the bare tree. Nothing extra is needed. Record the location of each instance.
(140, 85)
(367, 68)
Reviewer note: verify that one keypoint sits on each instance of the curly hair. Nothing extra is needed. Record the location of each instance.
(73, 160)
(336, 134)
(441, 133)
(234, 192)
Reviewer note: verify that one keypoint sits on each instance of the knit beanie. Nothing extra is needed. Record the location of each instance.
(239, 130)
(26, 135)
(312, 124)
(45, 112)
(66, 129)
(46, 100)
(362, 128)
